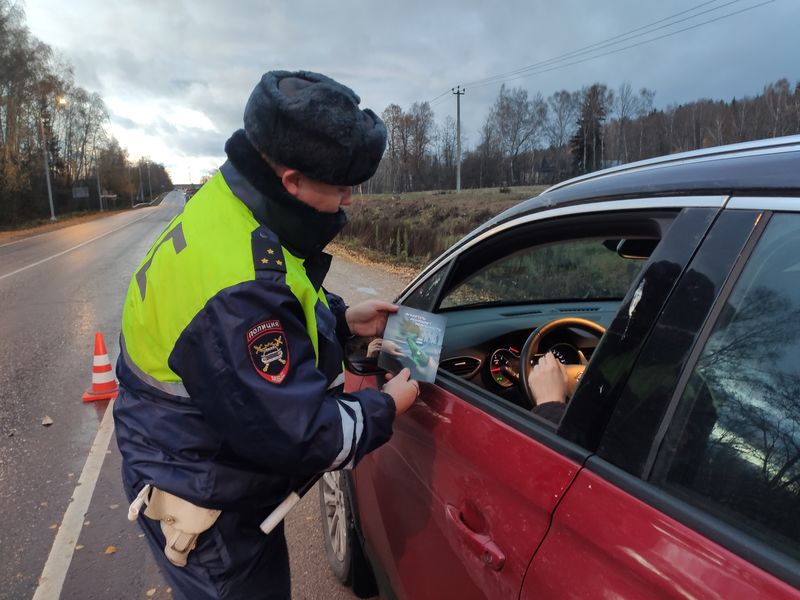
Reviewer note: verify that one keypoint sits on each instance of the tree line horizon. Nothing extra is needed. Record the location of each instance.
(532, 140)
(43, 110)
(525, 139)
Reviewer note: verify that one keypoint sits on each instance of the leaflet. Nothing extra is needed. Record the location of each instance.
(413, 338)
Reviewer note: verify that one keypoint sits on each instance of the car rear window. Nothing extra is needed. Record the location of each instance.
(734, 445)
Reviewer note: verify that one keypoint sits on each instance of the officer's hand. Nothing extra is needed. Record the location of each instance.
(402, 390)
(369, 317)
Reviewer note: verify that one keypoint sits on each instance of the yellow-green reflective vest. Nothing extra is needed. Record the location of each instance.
(204, 249)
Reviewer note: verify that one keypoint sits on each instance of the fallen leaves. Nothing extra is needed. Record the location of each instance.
(110, 550)
(47, 421)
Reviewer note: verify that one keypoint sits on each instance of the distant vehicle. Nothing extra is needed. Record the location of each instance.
(670, 289)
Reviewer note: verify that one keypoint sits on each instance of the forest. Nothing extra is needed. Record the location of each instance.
(529, 139)
(54, 142)
(53, 135)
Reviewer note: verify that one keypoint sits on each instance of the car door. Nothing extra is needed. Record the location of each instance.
(457, 502)
(695, 488)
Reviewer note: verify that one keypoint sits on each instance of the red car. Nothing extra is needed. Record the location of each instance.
(671, 291)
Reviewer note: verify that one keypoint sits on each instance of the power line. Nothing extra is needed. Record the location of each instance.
(580, 50)
(442, 95)
(438, 100)
(537, 68)
(613, 41)
(589, 58)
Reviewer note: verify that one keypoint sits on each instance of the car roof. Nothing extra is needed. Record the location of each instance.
(760, 167)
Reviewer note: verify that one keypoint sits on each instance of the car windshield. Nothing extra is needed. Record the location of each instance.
(573, 270)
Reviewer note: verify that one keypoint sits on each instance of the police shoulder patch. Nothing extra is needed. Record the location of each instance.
(269, 350)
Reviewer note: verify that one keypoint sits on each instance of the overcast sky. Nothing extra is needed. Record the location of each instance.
(175, 74)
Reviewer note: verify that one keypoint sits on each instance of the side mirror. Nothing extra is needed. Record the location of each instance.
(639, 249)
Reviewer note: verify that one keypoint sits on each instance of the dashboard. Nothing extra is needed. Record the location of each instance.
(484, 345)
(504, 365)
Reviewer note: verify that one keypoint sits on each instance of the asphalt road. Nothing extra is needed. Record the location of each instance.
(63, 527)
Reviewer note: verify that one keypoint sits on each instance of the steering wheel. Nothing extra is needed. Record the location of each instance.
(531, 348)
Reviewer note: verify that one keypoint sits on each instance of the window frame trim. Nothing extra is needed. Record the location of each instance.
(765, 203)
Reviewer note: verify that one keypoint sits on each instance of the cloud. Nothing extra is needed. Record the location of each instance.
(195, 63)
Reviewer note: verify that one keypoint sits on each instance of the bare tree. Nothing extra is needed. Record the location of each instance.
(42, 114)
(517, 124)
(776, 99)
(445, 152)
(392, 117)
(563, 110)
(489, 159)
(625, 107)
(421, 128)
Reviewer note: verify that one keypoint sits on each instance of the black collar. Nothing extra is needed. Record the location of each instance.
(302, 229)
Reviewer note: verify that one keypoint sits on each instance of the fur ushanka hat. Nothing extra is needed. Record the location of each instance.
(309, 122)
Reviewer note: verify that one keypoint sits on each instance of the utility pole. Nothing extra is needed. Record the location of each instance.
(47, 169)
(141, 187)
(149, 183)
(458, 91)
(97, 172)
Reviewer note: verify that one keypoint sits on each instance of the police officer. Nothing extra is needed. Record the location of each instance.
(230, 367)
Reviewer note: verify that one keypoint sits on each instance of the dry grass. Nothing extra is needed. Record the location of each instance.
(362, 257)
(414, 228)
(45, 225)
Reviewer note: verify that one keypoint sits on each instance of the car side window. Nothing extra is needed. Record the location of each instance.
(424, 297)
(575, 269)
(733, 447)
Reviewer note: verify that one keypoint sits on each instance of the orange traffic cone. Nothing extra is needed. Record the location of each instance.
(104, 386)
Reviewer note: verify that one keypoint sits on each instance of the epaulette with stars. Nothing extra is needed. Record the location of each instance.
(267, 251)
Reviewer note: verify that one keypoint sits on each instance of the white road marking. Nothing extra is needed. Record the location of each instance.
(366, 290)
(25, 239)
(55, 569)
(44, 260)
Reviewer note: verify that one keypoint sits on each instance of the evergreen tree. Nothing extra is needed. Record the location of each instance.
(587, 142)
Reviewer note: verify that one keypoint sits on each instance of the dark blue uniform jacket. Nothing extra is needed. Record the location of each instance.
(237, 441)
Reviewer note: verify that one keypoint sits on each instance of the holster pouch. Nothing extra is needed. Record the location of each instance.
(181, 521)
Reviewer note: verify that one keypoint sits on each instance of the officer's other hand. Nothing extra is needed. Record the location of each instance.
(369, 317)
(403, 390)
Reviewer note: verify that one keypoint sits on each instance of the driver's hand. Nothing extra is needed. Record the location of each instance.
(548, 381)
(374, 347)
